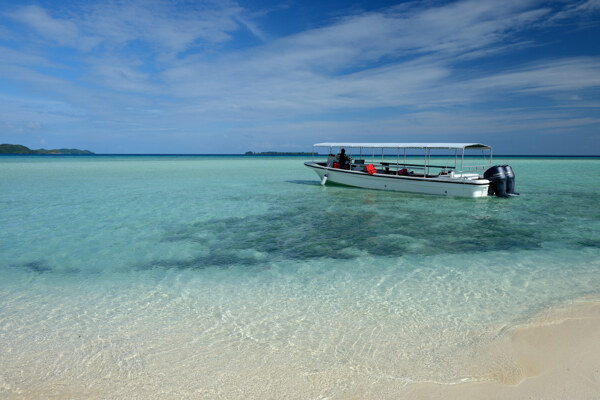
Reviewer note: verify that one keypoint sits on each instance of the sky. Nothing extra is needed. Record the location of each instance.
(200, 77)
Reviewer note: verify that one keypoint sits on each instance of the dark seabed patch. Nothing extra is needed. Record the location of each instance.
(305, 232)
(590, 243)
(311, 222)
(304, 182)
(38, 266)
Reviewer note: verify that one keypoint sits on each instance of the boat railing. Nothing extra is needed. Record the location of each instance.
(394, 168)
(401, 164)
(475, 167)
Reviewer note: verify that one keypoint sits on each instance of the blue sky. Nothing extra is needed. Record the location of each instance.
(227, 77)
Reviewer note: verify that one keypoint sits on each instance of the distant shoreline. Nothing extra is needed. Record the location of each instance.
(17, 149)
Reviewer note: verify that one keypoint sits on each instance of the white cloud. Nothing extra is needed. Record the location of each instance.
(15, 57)
(162, 25)
(62, 31)
(577, 9)
(120, 75)
(337, 67)
(570, 74)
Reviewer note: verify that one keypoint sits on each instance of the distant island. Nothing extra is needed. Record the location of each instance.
(277, 153)
(19, 149)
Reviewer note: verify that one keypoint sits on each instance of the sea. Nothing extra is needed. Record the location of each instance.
(243, 277)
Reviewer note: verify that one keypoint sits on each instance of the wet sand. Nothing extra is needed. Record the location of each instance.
(558, 356)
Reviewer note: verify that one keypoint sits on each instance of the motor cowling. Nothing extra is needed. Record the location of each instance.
(497, 178)
(510, 180)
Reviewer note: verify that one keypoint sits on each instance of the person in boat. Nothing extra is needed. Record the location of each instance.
(343, 159)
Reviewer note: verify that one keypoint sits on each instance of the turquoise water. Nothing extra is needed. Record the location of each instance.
(243, 277)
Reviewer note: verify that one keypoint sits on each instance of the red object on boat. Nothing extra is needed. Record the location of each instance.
(403, 171)
(336, 165)
(371, 169)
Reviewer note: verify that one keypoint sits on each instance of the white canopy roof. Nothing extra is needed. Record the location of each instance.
(407, 145)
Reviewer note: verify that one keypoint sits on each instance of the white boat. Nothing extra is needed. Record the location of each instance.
(399, 169)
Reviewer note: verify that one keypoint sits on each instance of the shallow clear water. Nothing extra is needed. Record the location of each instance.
(242, 276)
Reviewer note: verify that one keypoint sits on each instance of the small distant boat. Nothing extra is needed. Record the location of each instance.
(448, 175)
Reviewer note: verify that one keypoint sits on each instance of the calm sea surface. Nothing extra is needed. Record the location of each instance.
(243, 277)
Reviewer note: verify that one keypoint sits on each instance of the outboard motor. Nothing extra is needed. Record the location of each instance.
(497, 179)
(510, 180)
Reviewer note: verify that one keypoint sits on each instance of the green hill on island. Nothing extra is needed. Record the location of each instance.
(19, 149)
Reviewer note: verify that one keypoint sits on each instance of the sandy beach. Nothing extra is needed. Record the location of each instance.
(557, 354)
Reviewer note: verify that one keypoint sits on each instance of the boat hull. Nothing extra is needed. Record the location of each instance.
(445, 186)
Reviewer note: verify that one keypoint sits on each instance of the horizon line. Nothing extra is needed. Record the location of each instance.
(282, 154)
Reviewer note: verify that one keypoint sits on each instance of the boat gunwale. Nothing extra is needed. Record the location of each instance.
(477, 182)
